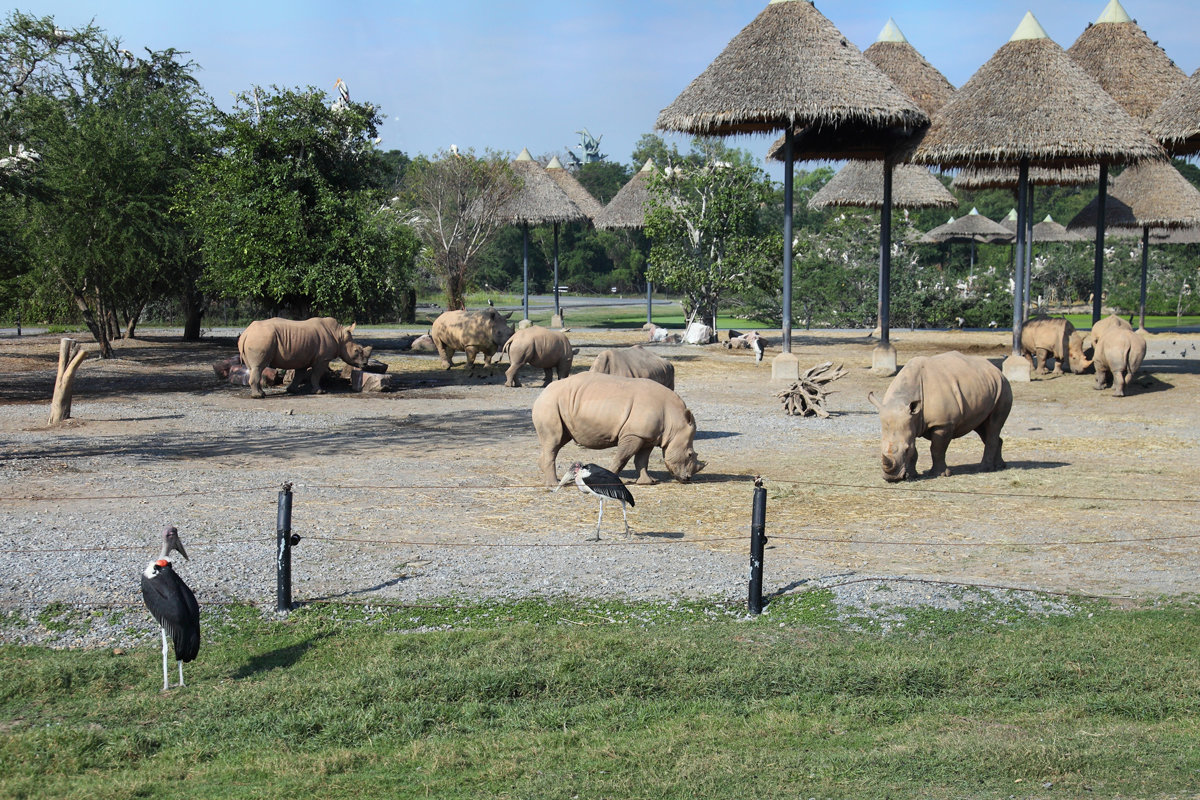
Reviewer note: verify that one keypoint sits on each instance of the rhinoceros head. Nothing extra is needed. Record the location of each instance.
(501, 330)
(679, 455)
(899, 421)
(352, 352)
(1076, 357)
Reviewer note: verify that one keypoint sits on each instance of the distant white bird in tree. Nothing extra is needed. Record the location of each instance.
(592, 479)
(172, 605)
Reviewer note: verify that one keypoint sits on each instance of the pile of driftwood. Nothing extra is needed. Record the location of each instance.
(807, 395)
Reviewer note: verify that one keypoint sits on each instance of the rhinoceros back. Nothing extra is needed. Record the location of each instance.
(289, 344)
(635, 362)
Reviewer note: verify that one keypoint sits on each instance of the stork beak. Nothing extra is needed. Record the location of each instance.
(171, 539)
(567, 477)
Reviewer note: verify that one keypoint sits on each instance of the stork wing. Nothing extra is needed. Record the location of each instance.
(174, 607)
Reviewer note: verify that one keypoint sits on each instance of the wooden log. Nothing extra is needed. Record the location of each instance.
(806, 397)
(70, 356)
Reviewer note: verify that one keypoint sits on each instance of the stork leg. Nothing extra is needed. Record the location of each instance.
(166, 684)
(600, 519)
(180, 663)
(625, 519)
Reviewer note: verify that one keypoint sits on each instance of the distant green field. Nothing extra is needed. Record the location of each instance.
(1084, 321)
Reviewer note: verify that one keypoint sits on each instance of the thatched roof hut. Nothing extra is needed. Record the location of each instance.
(973, 227)
(1050, 231)
(1031, 101)
(539, 201)
(1150, 194)
(627, 209)
(1135, 71)
(575, 190)
(1176, 236)
(860, 184)
(791, 68)
(974, 178)
(1118, 218)
(1176, 123)
(908, 69)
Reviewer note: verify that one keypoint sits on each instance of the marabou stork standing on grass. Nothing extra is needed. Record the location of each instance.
(172, 605)
(592, 479)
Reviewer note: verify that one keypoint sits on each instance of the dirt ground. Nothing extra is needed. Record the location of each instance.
(1099, 496)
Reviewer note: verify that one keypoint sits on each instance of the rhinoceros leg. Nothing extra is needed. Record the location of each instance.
(641, 462)
(1120, 379)
(549, 377)
(256, 390)
(628, 447)
(1042, 354)
(317, 373)
(511, 374)
(989, 432)
(939, 442)
(552, 435)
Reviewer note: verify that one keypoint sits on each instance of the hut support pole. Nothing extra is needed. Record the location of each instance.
(1018, 275)
(649, 300)
(525, 263)
(1098, 275)
(556, 311)
(972, 257)
(1026, 287)
(885, 258)
(1145, 269)
(788, 170)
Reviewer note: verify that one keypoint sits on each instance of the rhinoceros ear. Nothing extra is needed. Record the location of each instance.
(874, 402)
(509, 315)
(351, 328)
(914, 407)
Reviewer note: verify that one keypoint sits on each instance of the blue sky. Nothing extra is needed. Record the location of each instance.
(505, 75)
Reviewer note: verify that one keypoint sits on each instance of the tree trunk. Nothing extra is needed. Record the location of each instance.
(132, 317)
(455, 291)
(408, 306)
(191, 323)
(70, 356)
(99, 332)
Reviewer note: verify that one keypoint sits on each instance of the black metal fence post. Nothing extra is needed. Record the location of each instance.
(758, 541)
(283, 554)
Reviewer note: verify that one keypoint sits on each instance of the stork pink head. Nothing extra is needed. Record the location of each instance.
(171, 542)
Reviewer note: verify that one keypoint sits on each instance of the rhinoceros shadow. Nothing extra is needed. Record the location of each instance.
(977, 469)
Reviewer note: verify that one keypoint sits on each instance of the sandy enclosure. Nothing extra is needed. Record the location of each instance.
(433, 490)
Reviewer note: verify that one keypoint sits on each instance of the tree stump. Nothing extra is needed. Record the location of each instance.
(70, 356)
(807, 396)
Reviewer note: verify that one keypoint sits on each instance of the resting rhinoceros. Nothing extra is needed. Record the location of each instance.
(290, 344)
(483, 331)
(1043, 338)
(1118, 357)
(635, 415)
(635, 362)
(941, 398)
(538, 347)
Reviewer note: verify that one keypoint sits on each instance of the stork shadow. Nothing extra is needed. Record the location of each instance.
(279, 657)
(660, 534)
(366, 590)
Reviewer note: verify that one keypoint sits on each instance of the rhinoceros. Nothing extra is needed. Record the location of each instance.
(538, 347)
(1118, 357)
(635, 415)
(635, 362)
(483, 331)
(290, 344)
(941, 398)
(1110, 323)
(1043, 338)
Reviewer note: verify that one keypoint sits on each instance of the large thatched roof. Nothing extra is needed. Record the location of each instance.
(627, 209)
(914, 76)
(1176, 123)
(1151, 193)
(973, 227)
(791, 67)
(539, 201)
(1006, 177)
(1031, 101)
(860, 184)
(1118, 217)
(580, 196)
(1120, 56)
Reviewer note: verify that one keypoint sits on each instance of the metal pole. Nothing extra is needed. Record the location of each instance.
(283, 550)
(525, 261)
(758, 541)
(1019, 261)
(556, 311)
(885, 257)
(1098, 276)
(649, 301)
(1145, 269)
(788, 168)
(1027, 287)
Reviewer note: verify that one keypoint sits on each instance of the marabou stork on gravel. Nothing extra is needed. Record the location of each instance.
(172, 605)
(592, 479)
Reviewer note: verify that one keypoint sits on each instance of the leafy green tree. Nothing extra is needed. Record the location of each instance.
(453, 201)
(287, 211)
(707, 237)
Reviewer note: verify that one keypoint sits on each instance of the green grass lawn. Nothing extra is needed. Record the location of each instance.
(563, 700)
(1153, 322)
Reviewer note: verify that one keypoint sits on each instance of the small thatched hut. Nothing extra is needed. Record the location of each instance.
(908, 69)
(860, 184)
(627, 209)
(573, 189)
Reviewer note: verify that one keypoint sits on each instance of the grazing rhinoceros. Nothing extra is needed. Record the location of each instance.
(290, 344)
(941, 398)
(1118, 357)
(538, 347)
(635, 362)
(635, 415)
(483, 331)
(1043, 338)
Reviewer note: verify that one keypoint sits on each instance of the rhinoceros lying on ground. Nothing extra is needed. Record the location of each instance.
(483, 331)
(635, 362)
(290, 344)
(538, 347)
(1044, 338)
(635, 415)
(1118, 357)
(941, 398)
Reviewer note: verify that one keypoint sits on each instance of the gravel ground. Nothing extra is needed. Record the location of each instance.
(431, 493)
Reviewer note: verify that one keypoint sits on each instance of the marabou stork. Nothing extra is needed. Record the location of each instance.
(592, 479)
(172, 604)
